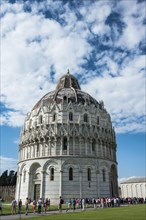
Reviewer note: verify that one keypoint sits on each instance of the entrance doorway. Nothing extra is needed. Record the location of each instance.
(36, 191)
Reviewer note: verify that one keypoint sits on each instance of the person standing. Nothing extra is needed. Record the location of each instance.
(39, 206)
(60, 204)
(45, 205)
(1, 208)
(14, 204)
(19, 206)
(74, 204)
(83, 204)
(26, 206)
(48, 203)
(34, 206)
(69, 205)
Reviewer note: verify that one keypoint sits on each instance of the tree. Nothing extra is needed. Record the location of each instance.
(8, 180)
(3, 178)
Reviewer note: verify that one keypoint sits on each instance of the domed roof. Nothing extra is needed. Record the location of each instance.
(68, 89)
(68, 81)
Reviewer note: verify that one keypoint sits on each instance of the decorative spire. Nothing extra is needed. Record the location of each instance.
(68, 72)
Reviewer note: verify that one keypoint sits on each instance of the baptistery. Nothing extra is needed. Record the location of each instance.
(67, 147)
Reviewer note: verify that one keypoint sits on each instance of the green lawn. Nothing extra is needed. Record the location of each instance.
(7, 208)
(137, 212)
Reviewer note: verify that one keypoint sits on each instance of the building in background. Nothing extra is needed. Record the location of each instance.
(135, 187)
(67, 147)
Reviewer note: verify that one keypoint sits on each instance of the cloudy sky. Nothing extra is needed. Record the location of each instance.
(101, 42)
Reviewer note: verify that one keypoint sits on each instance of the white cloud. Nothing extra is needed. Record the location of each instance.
(33, 46)
(95, 15)
(7, 163)
(133, 16)
(123, 95)
(26, 63)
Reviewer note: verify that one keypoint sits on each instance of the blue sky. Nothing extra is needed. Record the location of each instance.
(102, 43)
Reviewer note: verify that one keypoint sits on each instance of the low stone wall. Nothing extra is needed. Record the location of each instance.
(7, 193)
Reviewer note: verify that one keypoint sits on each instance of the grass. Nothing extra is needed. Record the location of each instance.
(123, 213)
(137, 212)
(7, 208)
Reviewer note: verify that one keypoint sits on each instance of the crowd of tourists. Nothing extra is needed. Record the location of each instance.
(38, 206)
(43, 205)
(103, 202)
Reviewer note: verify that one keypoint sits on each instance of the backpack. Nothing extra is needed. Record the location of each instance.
(62, 201)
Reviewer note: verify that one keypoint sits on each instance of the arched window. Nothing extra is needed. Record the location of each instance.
(54, 117)
(37, 149)
(65, 143)
(98, 120)
(85, 117)
(103, 175)
(65, 99)
(89, 174)
(70, 173)
(93, 145)
(40, 119)
(52, 174)
(70, 116)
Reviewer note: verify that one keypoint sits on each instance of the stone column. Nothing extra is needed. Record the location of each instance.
(61, 145)
(19, 154)
(136, 190)
(131, 191)
(46, 148)
(73, 145)
(90, 146)
(80, 141)
(86, 152)
(108, 153)
(80, 173)
(40, 149)
(42, 181)
(28, 188)
(55, 143)
(22, 153)
(97, 183)
(105, 149)
(27, 156)
(43, 148)
(60, 186)
(49, 147)
(100, 149)
(27, 152)
(32, 151)
(19, 189)
(68, 142)
(112, 155)
(35, 150)
(24, 149)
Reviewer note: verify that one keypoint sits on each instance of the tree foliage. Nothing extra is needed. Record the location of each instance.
(8, 179)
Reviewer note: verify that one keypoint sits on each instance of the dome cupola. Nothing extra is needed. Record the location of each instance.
(68, 81)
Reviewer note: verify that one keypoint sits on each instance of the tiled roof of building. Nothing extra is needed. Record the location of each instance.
(67, 88)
